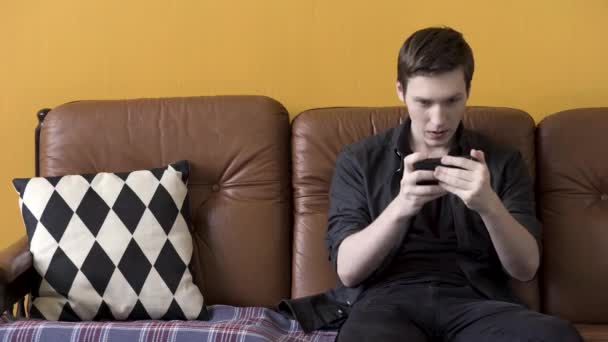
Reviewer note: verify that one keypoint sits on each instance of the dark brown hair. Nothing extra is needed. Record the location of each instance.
(432, 51)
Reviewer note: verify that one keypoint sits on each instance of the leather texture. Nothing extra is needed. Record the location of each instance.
(573, 192)
(15, 267)
(238, 148)
(14, 260)
(593, 333)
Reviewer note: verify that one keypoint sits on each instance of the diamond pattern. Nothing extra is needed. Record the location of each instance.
(180, 236)
(120, 296)
(108, 186)
(48, 307)
(113, 237)
(54, 180)
(61, 273)
(185, 213)
(111, 246)
(76, 241)
(135, 266)
(174, 312)
(104, 313)
(56, 216)
(129, 208)
(174, 187)
(84, 297)
(155, 295)
(46, 290)
(188, 296)
(20, 185)
(122, 175)
(181, 169)
(36, 195)
(93, 211)
(68, 314)
(163, 208)
(150, 236)
(42, 247)
(72, 190)
(98, 268)
(144, 184)
(89, 177)
(170, 266)
(29, 219)
(158, 173)
(139, 312)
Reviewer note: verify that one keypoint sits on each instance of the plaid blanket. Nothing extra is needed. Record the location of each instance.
(227, 323)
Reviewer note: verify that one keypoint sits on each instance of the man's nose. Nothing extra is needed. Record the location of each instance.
(437, 116)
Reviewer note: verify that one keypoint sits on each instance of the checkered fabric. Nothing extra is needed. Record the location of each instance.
(227, 323)
(111, 245)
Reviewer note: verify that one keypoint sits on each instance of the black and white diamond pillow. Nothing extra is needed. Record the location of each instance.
(111, 245)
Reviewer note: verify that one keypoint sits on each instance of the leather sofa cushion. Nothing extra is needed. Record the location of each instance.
(317, 137)
(238, 147)
(573, 198)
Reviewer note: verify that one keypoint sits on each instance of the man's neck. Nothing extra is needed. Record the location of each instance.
(432, 152)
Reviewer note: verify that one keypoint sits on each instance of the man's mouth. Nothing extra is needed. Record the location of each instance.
(437, 134)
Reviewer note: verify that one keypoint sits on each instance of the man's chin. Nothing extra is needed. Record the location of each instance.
(438, 142)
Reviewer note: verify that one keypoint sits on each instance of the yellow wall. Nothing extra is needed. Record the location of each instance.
(540, 56)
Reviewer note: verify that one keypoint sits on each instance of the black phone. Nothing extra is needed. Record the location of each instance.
(427, 164)
(430, 164)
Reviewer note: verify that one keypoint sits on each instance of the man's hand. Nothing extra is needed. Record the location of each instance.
(471, 183)
(412, 195)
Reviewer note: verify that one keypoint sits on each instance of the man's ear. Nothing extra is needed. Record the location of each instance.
(400, 92)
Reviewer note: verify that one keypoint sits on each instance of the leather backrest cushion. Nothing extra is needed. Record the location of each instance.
(238, 147)
(573, 195)
(317, 137)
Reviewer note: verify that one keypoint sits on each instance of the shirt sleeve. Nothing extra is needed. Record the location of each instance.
(517, 196)
(348, 209)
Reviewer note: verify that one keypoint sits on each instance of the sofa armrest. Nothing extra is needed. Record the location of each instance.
(15, 262)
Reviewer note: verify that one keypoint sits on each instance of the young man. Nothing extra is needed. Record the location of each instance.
(420, 261)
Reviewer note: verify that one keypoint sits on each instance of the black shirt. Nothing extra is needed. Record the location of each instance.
(429, 252)
(367, 178)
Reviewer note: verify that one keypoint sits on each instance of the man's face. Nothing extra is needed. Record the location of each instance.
(436, 104)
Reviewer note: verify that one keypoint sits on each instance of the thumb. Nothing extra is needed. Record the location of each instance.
(479, 155)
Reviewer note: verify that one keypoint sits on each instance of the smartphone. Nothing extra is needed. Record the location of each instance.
(427, 164)
(430, 164)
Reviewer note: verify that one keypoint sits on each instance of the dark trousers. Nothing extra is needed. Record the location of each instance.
(439, 312)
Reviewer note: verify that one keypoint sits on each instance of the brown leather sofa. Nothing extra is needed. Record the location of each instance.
(259, 209)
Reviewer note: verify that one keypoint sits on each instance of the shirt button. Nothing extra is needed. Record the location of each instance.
(215, 188)
(340, 312)
(604, 197)
(348, 303)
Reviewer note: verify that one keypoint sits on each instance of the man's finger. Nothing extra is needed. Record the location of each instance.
(460, 162)
(452, 189)
(427, 190)
(422, 175)
(452, 180)
(479, 155)
(410, 159)
(465, 175)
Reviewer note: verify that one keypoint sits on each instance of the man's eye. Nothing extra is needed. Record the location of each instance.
(453, 100)
(425, 103)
